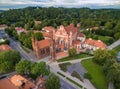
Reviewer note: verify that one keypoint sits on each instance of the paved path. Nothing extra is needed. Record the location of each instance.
(113, 45)
(78, 68)
(54, 67)
(30, 56)
(76, 60)
(8, 74)
(86, 84)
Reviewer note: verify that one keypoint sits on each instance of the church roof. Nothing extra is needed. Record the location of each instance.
(44, 43)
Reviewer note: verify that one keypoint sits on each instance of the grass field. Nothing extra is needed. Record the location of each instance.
(73, 58)
(98, 77)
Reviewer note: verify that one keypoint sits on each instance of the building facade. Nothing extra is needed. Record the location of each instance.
(62, 39)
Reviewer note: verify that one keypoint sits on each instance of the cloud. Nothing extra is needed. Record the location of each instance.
(64, 3)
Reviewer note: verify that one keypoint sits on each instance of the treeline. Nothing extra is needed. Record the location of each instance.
(57, 16)
(108, 20)
(111, 68)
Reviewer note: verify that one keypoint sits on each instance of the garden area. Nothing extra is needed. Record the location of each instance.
(96, 72)
(77, 56)
(64, 66)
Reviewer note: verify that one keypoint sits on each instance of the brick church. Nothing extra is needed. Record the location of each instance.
(61, 40)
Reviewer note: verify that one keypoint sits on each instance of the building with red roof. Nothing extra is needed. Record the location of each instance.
(41, 48)
(68, 36)
(94, 44)
(5, 47)
(7, 84)
(21, 83)
(19, 29)
(3, 26)
(64, 38)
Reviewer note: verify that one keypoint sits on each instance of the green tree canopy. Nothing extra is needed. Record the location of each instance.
(72, 52)
(100, 56)
(8, 60)
(39, 69)
(53, 82)
(38, 36)
(23, 67)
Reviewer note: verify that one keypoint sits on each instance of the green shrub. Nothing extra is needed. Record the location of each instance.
(64, 66)
(74, 82)
(61, 74)
(75, 74)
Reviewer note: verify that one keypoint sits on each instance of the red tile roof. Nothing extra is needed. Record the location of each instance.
(7, 84)
(3, 26)
(48, 28)
(96, 43)
(81, 35)
(18, 81)
(44, 43)
(18, 28)
(76, 42)
(41, 83)
(71, 28)
(5, 47)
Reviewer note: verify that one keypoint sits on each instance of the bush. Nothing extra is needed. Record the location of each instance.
(87, 76)
(74, 82)
(61, 74)
(72, 52)
(64, 66)
(75, 74)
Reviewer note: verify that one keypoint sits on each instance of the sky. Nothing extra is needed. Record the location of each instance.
(59, 3)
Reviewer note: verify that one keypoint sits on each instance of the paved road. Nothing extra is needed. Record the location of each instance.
(16, 46)
(78, 68)
(7, 75)
(115, 44)
(65, 85)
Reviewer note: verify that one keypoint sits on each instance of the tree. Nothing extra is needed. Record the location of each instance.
(100, 56)
(53, 82)
(112, 72)
(108, 25)
(72, 52)
(117, 27)
(39, 69)
(23, 67)
(117, 35)
(8, 60)
(5, 67)
(25, 39)
(38, 36)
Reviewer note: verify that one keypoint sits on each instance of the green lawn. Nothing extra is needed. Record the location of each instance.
(73, 58)
(25, 49)
(98, 77)
(117, 49)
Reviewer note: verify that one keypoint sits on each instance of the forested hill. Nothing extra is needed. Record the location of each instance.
(57, 16)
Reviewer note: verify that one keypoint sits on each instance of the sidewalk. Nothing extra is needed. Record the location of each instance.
(76, 60)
